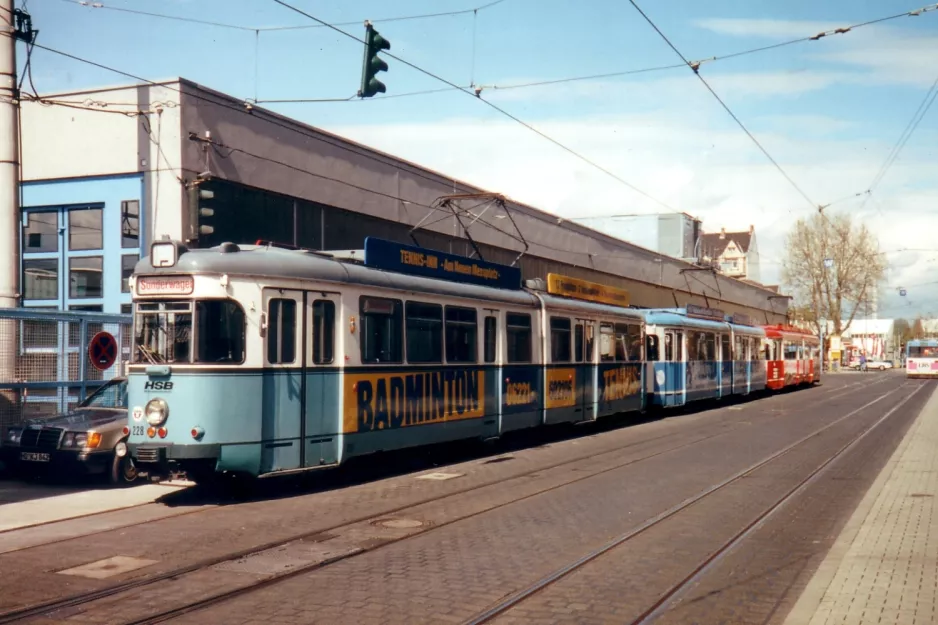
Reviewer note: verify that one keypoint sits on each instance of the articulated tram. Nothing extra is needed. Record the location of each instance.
(256, 360)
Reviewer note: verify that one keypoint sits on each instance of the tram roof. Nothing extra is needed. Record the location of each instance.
(270, 262)
(676, 317)
(923, 342)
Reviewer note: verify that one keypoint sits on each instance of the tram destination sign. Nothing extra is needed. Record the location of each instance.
(391, 256)
(585, 290)
(701, 312)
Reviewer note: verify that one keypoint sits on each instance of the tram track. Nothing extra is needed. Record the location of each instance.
(85, 599)
(660, 605)
(835, 392)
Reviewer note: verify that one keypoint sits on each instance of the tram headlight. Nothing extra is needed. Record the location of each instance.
(156, 411)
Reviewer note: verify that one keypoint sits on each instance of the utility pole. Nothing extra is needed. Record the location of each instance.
(16, 26)
(9, 162)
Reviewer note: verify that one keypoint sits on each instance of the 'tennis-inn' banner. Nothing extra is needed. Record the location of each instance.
(391, 256)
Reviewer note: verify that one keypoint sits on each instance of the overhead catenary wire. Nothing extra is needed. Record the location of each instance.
(695, 63)
(723, 104)
(215, 24)
(907, 133)
(491, 105)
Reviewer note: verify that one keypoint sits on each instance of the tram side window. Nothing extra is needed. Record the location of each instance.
(669, 347)
(740, 349)
(628, 342)
(651, 348)
(607, 342)
(323, 331)
(791, 351)
(461, 331)
(424, 332)
(491, 335)
(519, 337)
(281, 331)
(559, 339)
(726, 356)
(221, 332)
(590, 341)
(635, 342)
(694, 346)
(578, 347)
(381, 330)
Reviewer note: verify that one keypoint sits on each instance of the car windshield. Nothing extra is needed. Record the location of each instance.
(111, 395)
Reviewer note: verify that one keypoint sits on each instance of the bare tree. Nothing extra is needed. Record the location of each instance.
(837, 292)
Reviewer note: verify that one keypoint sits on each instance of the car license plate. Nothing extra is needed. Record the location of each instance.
(34, 457)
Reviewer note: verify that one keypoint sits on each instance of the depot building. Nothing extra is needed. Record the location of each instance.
(108, 171)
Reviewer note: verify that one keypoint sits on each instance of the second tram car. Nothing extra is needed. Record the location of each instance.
(921, 358)
(256, 360)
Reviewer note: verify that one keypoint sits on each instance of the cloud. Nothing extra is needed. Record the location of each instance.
(717, 175)
(884, 54)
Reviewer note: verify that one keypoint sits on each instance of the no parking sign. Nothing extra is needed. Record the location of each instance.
(102, 350)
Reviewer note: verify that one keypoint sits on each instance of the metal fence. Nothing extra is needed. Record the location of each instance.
(45, 368)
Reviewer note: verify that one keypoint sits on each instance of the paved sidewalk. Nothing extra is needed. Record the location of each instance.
(883, 568)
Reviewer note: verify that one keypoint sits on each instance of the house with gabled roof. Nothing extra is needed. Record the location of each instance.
(734, 254)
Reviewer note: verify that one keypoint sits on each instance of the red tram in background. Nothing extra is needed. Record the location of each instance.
(792, 356)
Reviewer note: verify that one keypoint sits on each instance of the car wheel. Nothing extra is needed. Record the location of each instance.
(123, 471)
(882, 367)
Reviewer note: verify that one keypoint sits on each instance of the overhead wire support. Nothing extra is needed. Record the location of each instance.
(490, 104)
(723, 104)
(192, 20)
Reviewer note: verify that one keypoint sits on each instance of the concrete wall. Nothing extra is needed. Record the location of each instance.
(108, 132)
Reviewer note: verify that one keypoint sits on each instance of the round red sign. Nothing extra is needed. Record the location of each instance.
(103, 350)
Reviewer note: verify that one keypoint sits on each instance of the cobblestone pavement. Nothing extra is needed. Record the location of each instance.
(884, 566)
(471, 548)
(229, 528)
(452, 573)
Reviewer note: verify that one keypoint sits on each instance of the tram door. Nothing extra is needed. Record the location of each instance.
(673, 385)
(587, 373)
(281, 423)
(322, 418)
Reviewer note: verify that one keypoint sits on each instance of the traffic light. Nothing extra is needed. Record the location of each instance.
(374, 43)
(199, 212)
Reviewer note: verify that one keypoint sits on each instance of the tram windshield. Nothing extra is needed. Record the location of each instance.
(163, 332)
(923, 351)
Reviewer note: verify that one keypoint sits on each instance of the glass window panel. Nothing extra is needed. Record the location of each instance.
(221, 332)
(323, 331)
(519, 337)
(126, 309)
(41, 233)
(578, 342)
(127, 269)
(559, 339)
(381, 330)
(424, 332)
(41, 279)
(84, 229)
(491, 327)
(460, 334)
(84, 277)
(130, 223)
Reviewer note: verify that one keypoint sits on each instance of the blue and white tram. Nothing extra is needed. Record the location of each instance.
(921, 358)
(256, 360)
(698, 353)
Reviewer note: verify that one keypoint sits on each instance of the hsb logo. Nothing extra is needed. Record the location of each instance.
(158, 386)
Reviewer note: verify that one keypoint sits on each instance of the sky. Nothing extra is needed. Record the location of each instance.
(828, 111)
